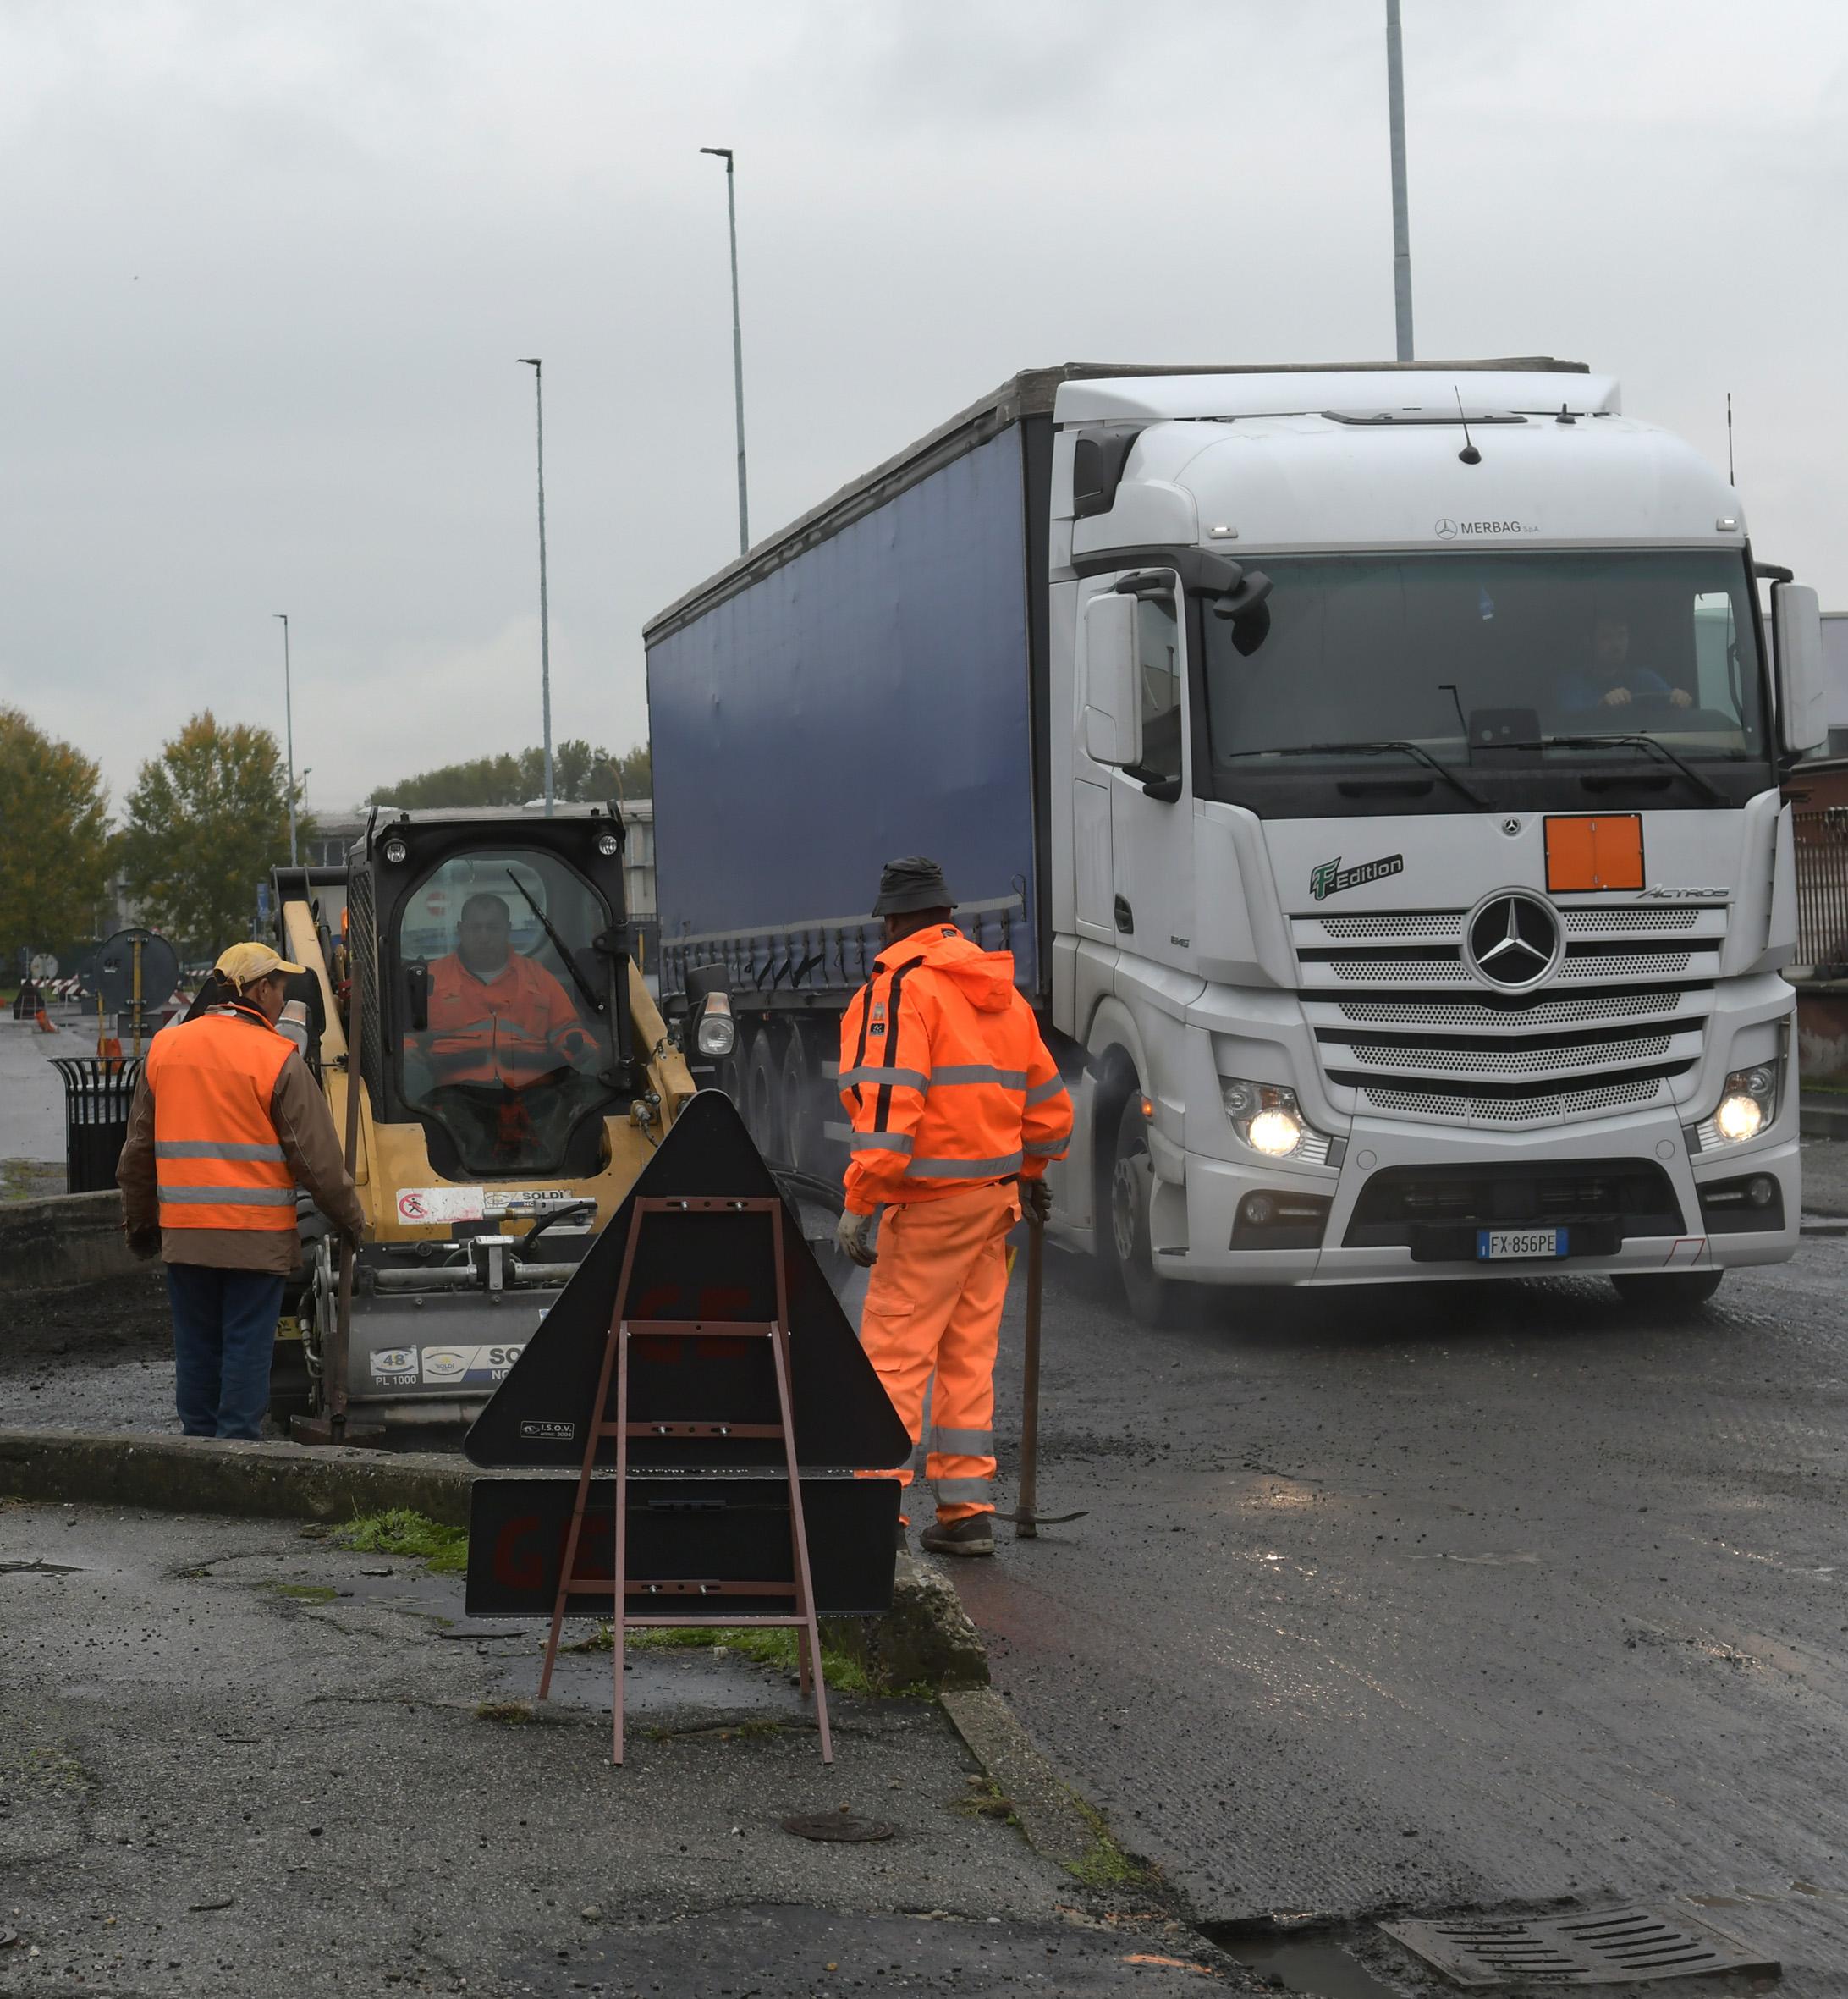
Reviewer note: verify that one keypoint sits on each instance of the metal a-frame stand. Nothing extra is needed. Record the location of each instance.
(623, 1330)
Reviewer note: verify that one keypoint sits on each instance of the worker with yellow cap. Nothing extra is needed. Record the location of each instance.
(226, 1124)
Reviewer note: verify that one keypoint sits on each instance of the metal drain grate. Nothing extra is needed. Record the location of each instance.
(1599, 1947)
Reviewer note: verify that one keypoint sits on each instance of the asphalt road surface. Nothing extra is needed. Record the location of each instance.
(1405, 1600)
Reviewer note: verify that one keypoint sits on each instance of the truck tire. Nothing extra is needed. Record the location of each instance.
(1152, 1301)
(1666, 1291)
(800, 1091)
(763, 1089)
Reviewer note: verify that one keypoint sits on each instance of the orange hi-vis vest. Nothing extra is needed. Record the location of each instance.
(511, 1029)
(217, 1162)
(945, 1079)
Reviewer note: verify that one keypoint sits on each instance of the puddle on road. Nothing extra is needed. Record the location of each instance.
(1310, 1965)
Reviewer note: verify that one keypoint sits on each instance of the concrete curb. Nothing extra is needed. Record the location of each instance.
(64, 1240)
(1049, 1813)
(212, 1475)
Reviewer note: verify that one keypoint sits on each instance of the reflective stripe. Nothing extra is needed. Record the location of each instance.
(1008, 1079)
(963, 1169)
(838, 1131)
(205, 1148)
(226, 1196)
(963, 1492)
(1048, 1149)
(1043, 1093)
(963, 1443)
(907, 1078)
(880, 1141)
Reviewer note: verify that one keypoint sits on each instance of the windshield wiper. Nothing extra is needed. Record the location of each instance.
(570, 963)
(1416, 751)
(1648, 742)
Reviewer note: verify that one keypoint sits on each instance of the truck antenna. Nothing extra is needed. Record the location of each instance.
(1730, 481)
(1469, 453)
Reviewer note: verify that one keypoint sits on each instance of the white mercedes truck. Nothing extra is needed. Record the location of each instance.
(1374, 771)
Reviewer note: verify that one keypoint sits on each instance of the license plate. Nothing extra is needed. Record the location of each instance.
(1495, 1246)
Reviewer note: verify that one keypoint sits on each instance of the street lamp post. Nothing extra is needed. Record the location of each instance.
(1396, 109)
(288, 734)
(545, 614)
(723, 153)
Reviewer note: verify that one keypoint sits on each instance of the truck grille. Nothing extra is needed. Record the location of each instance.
(1404, 1026)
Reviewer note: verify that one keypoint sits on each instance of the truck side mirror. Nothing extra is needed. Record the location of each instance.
(1113, 709)
(1797, 628)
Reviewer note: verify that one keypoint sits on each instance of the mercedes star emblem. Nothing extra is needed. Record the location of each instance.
(1514, 940)
(1446, 529)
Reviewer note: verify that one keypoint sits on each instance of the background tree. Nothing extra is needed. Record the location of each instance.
(580, 775)
(206, 821)
(54, 841)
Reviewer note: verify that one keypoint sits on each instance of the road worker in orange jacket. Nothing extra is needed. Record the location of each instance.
(226, 1124)
(956, 1111)
(495, 1016)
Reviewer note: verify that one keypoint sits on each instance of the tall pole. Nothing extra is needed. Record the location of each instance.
(1395, 98)
(288, 733)
(545, 615)
(723, 153)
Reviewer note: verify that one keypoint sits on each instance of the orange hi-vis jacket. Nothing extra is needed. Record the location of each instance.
(510, 1029)
(946, 1081)
(218, 1162)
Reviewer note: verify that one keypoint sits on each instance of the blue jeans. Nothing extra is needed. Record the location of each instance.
(224, 1332)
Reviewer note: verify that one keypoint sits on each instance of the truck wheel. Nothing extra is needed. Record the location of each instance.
(1152, 1301)
(1667, 1290)
(762, 1087)
(801, 1111)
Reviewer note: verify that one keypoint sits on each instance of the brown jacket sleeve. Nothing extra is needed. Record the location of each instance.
(304, 1126)
(135, 1170)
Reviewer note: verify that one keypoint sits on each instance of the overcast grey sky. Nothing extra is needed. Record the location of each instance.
(268, 267)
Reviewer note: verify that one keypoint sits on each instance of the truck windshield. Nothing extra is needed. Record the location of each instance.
(510, 1056)
(1475, 656)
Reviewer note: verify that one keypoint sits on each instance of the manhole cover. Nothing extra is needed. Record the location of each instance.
(1600, 1946)
(837, 1826)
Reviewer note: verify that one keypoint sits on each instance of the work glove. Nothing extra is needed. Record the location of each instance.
(144, 1242)
(1035, 1200)
(853, 1238)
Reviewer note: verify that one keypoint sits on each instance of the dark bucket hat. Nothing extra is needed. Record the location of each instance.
(909, 885)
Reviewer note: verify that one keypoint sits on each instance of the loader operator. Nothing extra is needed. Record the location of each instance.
(956, 1108)
(496, 1016)
(226, 1124)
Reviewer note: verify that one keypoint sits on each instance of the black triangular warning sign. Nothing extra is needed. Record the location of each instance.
(696, 1266)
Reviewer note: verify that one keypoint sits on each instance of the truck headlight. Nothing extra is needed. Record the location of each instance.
(717, 1034)
(1747, 1103)
(1267, 1116)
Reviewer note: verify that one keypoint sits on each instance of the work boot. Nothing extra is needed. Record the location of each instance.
(973, 1535)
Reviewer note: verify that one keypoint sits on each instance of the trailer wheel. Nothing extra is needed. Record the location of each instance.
(1666, 1291)
(762, 1088)
(801, 1114)
(1152, 1301)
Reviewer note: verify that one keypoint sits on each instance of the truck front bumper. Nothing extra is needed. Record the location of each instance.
(1407, 1199)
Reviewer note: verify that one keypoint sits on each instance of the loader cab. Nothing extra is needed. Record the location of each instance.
(492, 947)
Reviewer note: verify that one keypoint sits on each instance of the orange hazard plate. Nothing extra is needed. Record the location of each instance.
(1593, 852)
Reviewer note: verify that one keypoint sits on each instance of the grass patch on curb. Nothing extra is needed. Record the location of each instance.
(400, 1531)
(774, 1649)
(1106, 1865)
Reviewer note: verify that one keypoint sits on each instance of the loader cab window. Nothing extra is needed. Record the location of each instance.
(503, 1046)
